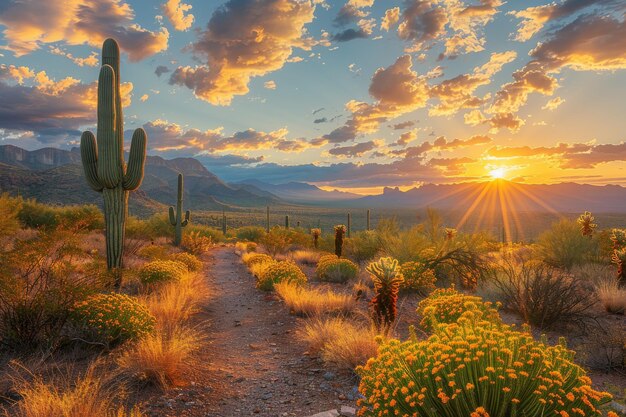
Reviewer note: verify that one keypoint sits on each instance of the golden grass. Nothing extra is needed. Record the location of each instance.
(612, 296)
(340, 342)
(88, 396)
(162, 358)
(174, 303)
(306, 257)
(312, 301)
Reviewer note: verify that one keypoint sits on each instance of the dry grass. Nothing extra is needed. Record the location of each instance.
(174, 303)
(306, 257)
(340, 342)
(314, 302)
(612, 296)
(88, 396)
(163, 358)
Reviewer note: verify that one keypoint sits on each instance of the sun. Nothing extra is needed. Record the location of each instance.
(497, 173)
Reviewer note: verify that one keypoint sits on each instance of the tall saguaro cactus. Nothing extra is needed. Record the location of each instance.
(177, 219)
(103, 160)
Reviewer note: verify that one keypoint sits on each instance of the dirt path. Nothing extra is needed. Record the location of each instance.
(253, 361)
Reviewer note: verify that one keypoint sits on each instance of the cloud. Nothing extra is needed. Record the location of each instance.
(350, 34)
(553, 104)
(245, 39)
(406, 138)
(390, 19)
(422, 21)
(403, 125)
(270, 85)
(31, 24)
(90, 61)
(321, 120)
(161, 69)
(167, 137)
(536, 17)
(175, 11)
(355, 150)
(144, 97)
(567, 155)
(53, 111)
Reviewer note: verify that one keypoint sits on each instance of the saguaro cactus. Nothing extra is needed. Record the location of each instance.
(267, 225)
(103, 161)
(177, 219)
(287, 222)
(368, 220)
(224, 222)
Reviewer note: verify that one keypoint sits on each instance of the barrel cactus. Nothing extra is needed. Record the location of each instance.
(176, 220)
(103, 160)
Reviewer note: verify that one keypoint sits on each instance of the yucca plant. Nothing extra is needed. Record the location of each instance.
(477, 369)
(340, 231)
(587, 226)
(387, 278)
(316, 233)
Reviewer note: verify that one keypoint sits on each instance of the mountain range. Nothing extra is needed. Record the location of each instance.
(55, 176)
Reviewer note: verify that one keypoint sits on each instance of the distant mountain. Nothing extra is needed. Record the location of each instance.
(301, 192)
(55, 176)
(491, 196)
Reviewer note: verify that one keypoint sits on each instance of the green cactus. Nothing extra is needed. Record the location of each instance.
(368, 220)
(224, 223)
(176, 220)
(287, 222)
(103, 161)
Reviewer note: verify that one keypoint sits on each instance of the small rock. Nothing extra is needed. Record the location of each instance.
(266, 396)
(329, 376)
(347, 411)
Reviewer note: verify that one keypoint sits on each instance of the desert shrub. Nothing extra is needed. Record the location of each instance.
(564, 246)
(280, 240)
(191, 261)
(214, 234)
(36, 215)
(417, 277)
(387, 279)
(333, 269)
(9, 210)
(445, 306)
(89, 395)
(477, 370)
(196, 243)
(161, 358)
(339, 342)
(363, 246)
(113, 317)
(153, 252)
(79, 217)
(312, 301)
(157, 225)
(612, 296)
(283, 271)
(250, 233)
(541, 294)
(251, 259)
(39, 284)
(161, 271)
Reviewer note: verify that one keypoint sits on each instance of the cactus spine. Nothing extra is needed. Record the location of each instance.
(368, 220)
(177, 219)
(103, 161)
(349, 224)
(267, 225)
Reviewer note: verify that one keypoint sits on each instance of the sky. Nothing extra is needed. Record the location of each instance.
(353, 94)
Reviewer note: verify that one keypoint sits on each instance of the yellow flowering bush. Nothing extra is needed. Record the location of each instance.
(447, 305)
(160, 271)
(191, 261)
(476, 369)
(417, 277)
(283, 271)
(153, 252)
(333, 269)
(113, 317)
(251, 259)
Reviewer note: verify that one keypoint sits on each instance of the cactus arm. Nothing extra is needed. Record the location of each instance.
(89, 156)
(187, 216)
(136, 160)
(172, 216)
(109, 171)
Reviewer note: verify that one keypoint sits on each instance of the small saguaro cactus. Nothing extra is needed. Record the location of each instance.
(224, 222)
(368, 220)
(103, 161)
(340, 231)
(267, 225)
(177, 219)
(316, 233)
(287, 222)
(349, 225)
(587, 226)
